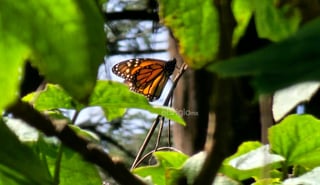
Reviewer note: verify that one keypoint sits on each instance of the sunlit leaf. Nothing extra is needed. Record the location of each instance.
(242, 11)
(114, 95)
(11, 64)
(297, 138)
(64, 39)
(91, 136)
(166, 161)
(52, 97)
(269, 181)
(195, 25)
(235, 173)
(258, 158)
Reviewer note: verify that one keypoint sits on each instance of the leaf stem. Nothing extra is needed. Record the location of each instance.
(56, 175)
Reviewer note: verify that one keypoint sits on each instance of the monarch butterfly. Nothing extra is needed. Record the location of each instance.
(146, 76)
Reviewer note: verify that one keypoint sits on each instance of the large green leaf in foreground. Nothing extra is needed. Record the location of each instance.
(279, 65)
(63, 38)
(9, 75)
(18, 163)
(195, 25)
(297, 138)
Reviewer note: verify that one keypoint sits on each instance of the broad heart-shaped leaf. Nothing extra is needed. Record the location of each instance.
(275, 22)
(235, 173)
(166, 160)
(256, 159)
(18, 163)
(279, 65)
(195, 25)
(64, 40)
(297, 138)
(114, 95)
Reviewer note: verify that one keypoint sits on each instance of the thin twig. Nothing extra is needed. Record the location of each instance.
(169, 134)
(156, 121)
(159, 133)
(145, 142)
(110, 140)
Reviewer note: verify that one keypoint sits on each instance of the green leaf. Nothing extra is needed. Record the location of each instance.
(297, 138)
(269, 181)
(51, 98)
(11, 62)
(19, 163)
(281, 64)
(91, 136)
(67, 50)
(190, 170)
(242, 11)
(276, 23)
(72, 168)
(238, 174)
(258, 158)
(192, 23)
(113, 95)
(166, 161)
(193, 165)
(75, 169)
(244, 148)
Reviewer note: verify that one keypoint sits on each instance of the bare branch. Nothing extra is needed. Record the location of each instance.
(132, 15)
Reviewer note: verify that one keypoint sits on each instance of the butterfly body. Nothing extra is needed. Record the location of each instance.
(145, 76)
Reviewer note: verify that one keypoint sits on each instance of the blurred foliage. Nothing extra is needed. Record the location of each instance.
(69, 47)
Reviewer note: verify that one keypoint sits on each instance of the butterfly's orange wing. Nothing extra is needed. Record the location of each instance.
(145, 76)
